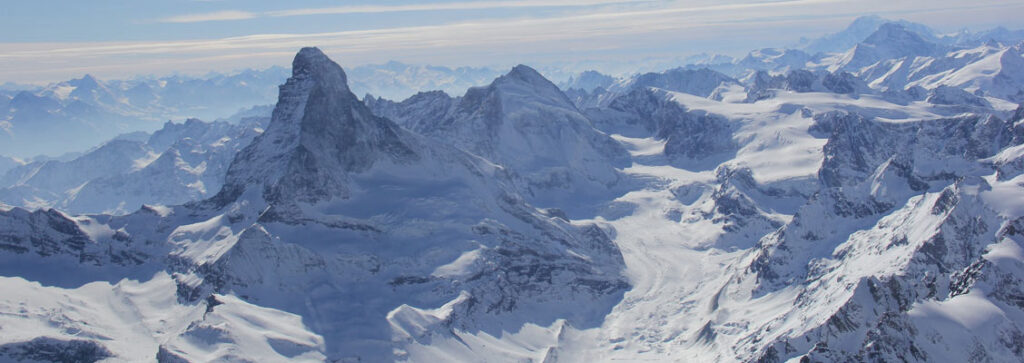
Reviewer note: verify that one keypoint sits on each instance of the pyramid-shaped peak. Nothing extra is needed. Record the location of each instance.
(87, 81)
(311, 62)
(308, 55)
(319, 133)
(527, 82)
(527, 74)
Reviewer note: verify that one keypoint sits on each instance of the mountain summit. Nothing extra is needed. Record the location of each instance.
(364, 229)
(890, 41)
(318, 133)
(523, 122)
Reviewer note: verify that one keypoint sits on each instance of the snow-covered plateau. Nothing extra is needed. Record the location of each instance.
(857, 204)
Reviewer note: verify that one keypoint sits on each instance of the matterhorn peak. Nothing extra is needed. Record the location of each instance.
(525, 73)
(311, 62)
(319, 132)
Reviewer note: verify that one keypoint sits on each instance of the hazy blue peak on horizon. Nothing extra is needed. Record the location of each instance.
(857, 31)
(94, 109)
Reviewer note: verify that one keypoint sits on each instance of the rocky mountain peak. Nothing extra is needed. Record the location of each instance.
(893, 33)
(523, 81)
(526, 74)
(319, 133)
(87, 82)
(312, 63)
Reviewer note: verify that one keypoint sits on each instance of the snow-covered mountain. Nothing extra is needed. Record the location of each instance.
(8, 163)
(890, 41)
(835, 228)
(523, 122)
(588, 81)
(703, 82)
(78, 114)
(775, 60)
(395, 80)
(176, 164)
(380, 243)
(859, 30)
(859, 205)
(763, 84)
(988, 70)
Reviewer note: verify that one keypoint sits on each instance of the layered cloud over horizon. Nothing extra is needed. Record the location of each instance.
(109, 40)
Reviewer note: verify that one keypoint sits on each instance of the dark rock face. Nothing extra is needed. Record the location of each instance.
(951, 96)
(802, 80)
(689, 135)
(319, 132)
(55, 350)
(700, 82)
(695, 135)
(842, 82)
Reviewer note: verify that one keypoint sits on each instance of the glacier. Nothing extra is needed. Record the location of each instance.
(858, 199)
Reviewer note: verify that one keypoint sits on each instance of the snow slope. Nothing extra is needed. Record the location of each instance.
(379, 243)
(866, 213)
(176, 164)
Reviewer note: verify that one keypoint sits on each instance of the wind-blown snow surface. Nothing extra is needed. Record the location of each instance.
(831, 213)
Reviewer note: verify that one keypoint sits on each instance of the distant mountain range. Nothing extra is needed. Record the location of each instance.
(80, 113)
(861, 204)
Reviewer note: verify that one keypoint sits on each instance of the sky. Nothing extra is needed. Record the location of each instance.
(52, 40)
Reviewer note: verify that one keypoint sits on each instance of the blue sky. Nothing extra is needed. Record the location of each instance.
(49, 40)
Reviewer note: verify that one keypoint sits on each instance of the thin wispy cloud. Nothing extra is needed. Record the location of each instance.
(495, 31)
(374, 9)
(670, 28)
(214, 16)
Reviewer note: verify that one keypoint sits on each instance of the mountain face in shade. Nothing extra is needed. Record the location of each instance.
(319, 132)
(859, 30)
(889, 41)
(525, 123)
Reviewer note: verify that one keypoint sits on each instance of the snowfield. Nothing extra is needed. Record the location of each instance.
(865, 204)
